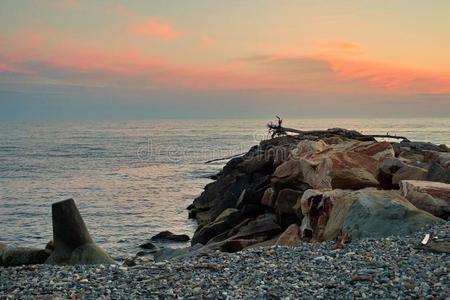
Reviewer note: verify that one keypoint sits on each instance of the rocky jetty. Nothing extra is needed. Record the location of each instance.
(321, 186)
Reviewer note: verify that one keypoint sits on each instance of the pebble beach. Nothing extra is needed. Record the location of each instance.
(389, 268)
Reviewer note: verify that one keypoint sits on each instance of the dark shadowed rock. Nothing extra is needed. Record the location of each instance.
(439, 169)
(72, 241)
(148, 246)
(224, 222)
(18, 256)
(424, 146)
(254, 192)
(229, 197)
(169, 236)
(263, 226)
(393, 170)
(284, 207)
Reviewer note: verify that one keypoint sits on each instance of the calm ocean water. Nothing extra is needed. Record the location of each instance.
(134, 179)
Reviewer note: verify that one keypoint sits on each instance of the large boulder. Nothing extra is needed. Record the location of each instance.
(284, 207)
(339, 170)
(73, 244)
(224, 222)
(376, 214)
(18, 256)
(433, 197)
(315, 207)
(290, 237)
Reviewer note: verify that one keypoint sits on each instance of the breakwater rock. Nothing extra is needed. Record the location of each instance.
(329, 184)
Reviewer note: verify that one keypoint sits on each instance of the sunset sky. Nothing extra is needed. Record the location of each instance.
(235, 58)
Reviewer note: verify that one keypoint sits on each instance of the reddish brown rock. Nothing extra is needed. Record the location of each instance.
(376, 150)
(433, 197)
(339, 170)
(284, 207)
(290, 237)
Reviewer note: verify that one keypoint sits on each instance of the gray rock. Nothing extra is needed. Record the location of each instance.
(377, 214)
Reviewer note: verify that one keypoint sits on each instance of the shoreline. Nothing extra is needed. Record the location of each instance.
(366, 268)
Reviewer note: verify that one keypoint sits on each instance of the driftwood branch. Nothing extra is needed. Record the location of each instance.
(279, 130)
(224, 158)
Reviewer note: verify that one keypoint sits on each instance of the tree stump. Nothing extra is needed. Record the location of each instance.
(72, 242)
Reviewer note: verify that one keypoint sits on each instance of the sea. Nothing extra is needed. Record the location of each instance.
(133, 179)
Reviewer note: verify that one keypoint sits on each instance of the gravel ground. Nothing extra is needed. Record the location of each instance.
(385, 268)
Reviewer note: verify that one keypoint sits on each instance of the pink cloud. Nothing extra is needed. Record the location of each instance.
(155, 28)
(77, 61)
(389, 78)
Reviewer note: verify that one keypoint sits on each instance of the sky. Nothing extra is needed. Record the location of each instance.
(147, 59)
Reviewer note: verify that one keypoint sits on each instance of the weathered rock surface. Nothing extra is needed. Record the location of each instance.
(377, 214)
(340, 170)
(433, 197)
(72, 241)
(316, 207)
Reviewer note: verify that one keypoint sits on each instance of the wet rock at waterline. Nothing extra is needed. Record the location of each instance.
(169, 236)
(18, 256)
